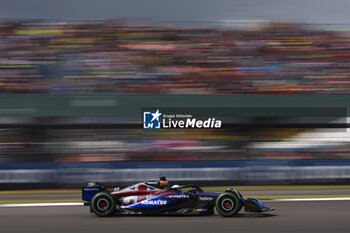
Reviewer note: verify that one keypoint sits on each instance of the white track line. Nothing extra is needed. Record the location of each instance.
(81, 203)
(43, 204)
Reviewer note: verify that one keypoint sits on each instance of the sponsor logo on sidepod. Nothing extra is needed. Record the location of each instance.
(154, 202)
(177, 196)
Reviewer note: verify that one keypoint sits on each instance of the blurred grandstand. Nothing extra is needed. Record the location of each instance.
(123, 57)
(127, 57)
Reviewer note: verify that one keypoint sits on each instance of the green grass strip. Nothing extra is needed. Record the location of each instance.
(38, 201)
(40, 191)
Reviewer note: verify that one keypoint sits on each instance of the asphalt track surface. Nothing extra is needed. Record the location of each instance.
(290, 216)
(313, 216)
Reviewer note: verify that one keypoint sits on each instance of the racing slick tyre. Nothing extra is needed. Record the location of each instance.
(103, 204)
(228, 204)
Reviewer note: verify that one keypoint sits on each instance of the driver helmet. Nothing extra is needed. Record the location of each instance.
(163, 182)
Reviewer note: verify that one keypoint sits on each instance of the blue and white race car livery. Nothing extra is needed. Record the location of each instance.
(150, 198)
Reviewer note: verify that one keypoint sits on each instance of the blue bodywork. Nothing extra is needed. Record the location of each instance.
(88, 193)
(256, 201)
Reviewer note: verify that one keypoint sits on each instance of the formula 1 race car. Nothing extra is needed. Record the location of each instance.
(148, 198)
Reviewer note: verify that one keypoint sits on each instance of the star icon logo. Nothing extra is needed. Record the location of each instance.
(156, 115)
(151, 119)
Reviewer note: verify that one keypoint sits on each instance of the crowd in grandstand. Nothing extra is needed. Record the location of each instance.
(123, 57)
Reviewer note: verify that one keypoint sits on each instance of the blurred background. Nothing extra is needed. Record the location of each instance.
(74, 78)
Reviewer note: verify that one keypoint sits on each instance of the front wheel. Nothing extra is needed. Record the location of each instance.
(228, 204)
(103, 204)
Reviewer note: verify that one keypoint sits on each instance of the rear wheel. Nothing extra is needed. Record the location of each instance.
(103, 204)
(228, 204)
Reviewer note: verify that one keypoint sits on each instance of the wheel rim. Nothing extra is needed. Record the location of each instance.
(102, 204)
(227, 204)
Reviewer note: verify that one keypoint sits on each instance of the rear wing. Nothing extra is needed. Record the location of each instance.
(89, 191)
